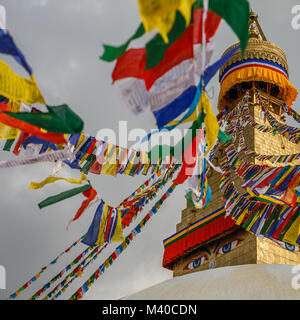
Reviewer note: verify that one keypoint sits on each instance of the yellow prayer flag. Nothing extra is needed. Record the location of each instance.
(100, 240)
(17, 88)
(118, 235)
(7, 132)
(80, 140)
(293, 232)
(241, 217)
(106, 263)
(112, 163)
(160, 14)
(83, 159)
(129, 166)
(211, 122)
(51, 179)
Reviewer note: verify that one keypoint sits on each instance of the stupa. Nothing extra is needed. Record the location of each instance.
(212, 255)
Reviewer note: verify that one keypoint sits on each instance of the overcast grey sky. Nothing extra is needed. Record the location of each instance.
(61, 40)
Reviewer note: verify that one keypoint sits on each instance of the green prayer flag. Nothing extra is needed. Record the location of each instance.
(59, 119)
(156, 47)
(111, 53)
(62, 196)
(188, 197)
(274, 215)
(223, 137)
(91, 159)
(236, 13)
(8, 144)
(161, 151)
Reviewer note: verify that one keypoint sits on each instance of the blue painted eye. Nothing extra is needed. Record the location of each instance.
(228, 247)
(290, 246)
(196, 263)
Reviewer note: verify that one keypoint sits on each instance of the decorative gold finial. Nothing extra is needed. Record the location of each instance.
(253, 16)
(253, 32)
(258, 34)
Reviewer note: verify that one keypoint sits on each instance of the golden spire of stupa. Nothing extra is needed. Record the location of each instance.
(263, 61)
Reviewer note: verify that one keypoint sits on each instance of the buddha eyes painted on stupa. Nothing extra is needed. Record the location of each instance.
(213, 251)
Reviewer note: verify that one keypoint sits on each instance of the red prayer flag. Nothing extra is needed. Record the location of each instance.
(29, 128)
(91, 195)
(189, 159)
(132, 64)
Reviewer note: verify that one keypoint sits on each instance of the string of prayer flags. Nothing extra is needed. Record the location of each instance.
(289, 110)
(290, 133)
(38, 275)
(293, 134)
(93, 255)
(256, 215)
(128, 239)
(258, 177)
(38, 293)
(77, 272)
(133, 205)
(108, 222)
(45, 157)
(58, 119)
(113, 232)
(161, 151)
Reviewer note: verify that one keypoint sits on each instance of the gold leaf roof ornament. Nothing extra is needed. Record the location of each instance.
(263, 61)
